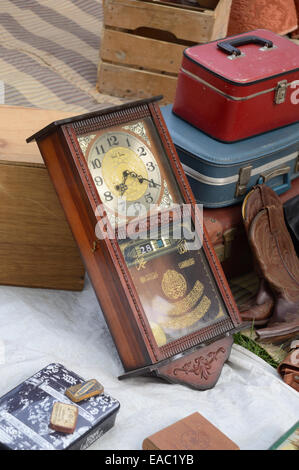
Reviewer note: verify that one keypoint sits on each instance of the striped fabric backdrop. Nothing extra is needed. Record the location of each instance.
(49, 54)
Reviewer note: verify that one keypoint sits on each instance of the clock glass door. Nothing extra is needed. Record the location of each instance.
(174, 283)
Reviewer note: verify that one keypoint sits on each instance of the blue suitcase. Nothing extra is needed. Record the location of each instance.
(221, 174)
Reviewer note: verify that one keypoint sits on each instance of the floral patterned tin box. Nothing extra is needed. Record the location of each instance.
(25, 413)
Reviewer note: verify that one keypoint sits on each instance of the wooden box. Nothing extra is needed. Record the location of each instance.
(143, 42)
(37, 248)
(191, 433)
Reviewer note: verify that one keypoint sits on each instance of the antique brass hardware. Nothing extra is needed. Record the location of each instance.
(273, 173)
(280, 92)
(244, 178)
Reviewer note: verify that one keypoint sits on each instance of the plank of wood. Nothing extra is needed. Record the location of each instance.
(37, 248)
(222, 14)
(127, 82)
(18, 123)
(129, 49)
(188, 25)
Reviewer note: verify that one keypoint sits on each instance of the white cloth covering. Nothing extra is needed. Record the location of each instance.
(250, 403)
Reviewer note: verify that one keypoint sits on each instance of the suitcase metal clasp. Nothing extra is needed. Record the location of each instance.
(280, 92)
(244, 178)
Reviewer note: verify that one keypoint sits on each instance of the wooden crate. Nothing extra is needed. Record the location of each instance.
(143, 42)
(37, 248)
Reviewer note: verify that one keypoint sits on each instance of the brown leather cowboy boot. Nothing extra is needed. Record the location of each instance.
(253, 312)
(258, 308)
(274, 251)
(278, 332)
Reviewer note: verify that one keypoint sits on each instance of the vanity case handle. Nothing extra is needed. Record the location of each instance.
(229, 46)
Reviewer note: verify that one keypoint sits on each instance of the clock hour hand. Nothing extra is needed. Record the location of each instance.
(122, 187)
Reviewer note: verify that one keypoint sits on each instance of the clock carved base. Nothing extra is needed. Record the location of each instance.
(199, 369)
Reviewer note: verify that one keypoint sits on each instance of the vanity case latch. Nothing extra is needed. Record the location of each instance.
(280, 92)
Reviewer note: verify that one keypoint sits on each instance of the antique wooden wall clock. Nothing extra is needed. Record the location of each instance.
(166, 300)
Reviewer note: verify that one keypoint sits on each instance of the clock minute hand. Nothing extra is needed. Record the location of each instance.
(141, 179)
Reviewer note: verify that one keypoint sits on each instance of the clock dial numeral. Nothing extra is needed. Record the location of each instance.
(112, 140)
(96, 163)
(150, 166)
(149, 198)
(100, 150)
(108, 196)
(137, 208)
(141, 152)
(152, 184)
(98, 180)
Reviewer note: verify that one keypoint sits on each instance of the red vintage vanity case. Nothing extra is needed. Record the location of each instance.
(241, 86)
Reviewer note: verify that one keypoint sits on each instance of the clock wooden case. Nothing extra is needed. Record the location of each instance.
(165, 299)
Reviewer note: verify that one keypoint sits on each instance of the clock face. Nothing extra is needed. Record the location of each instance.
(130, 170)
(125, 171)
